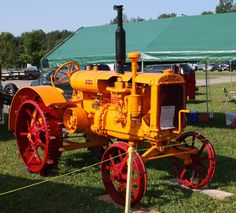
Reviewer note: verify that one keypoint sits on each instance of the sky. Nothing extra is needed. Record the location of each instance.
(18, 16)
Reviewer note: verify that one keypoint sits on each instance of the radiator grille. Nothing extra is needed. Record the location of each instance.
(171, 100)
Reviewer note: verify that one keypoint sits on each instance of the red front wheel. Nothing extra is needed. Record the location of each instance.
(201, 170)
(114, 174)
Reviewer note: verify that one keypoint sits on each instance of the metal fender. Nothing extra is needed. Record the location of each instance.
(49, 95)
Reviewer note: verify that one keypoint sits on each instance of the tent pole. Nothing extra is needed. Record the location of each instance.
(142, 65)
(206, 77)
(231, 77)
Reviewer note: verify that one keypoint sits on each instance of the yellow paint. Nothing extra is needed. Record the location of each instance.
(50, 95)
(75, 119)
(126, 106)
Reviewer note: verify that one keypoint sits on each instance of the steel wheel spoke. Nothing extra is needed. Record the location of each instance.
(201, 149)
(201, 170)
(29, 112)
(42, 145)
(33, 118)
(120, 154)
(135, 180)
(134, 190)
(112, 160)
(192, 176)
(183, 173)
(193, 142)
(35, 156)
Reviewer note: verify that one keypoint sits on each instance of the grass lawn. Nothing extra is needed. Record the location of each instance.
(78, 191)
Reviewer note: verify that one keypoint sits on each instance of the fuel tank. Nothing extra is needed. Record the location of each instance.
(96, 81)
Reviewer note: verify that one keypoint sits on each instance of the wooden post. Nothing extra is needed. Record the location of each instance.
(129, 179)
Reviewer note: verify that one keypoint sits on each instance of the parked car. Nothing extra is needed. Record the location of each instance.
(216, 67)
(157, 68)
(183, 69)
(198, 66)
(231, 65)
(32, 72)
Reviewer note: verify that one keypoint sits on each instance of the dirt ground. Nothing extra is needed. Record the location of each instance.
(18, 83)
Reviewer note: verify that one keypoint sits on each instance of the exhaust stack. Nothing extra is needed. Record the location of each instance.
(120, 41)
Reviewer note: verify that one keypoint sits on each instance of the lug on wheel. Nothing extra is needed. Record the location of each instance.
(38, 136)
(114, 173)
(199, 172)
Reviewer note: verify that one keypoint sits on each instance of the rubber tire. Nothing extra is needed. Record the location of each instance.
(10, 89)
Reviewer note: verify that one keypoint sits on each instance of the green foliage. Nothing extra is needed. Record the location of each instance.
(54, 38)
(138, 19)
(30, 47)
(226, 6)
(167, 15)
(7, 46)
(207, 13)
(124, 17)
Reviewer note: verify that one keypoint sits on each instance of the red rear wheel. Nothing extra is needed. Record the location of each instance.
(38, 136)
(201, 170)
(114, 173)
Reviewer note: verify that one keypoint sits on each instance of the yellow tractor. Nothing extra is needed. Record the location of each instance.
(145, 110)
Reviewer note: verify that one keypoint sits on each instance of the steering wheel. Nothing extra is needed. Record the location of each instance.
(63, 73)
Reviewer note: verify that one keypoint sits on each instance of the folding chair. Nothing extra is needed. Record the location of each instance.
(229, 95)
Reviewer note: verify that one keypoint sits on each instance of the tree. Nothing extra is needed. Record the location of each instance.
(167, 15)
(32, 46)
(8, 49)
(225, 6)
(207, 13)
(138, 19)
(124, 17)
(53, 38)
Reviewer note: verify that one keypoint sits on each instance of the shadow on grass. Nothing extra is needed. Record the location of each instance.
(164, 193)
(74, 196)
(200, 93)
(51, 197)
(196, 101)
(79, 160)
(225, 175)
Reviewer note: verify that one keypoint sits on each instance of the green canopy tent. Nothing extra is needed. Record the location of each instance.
(186, 38)
(205, 38)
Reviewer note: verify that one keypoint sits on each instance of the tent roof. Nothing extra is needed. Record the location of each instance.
(185, 38)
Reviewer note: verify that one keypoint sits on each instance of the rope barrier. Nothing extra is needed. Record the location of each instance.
(63, 175)
(78, 170)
